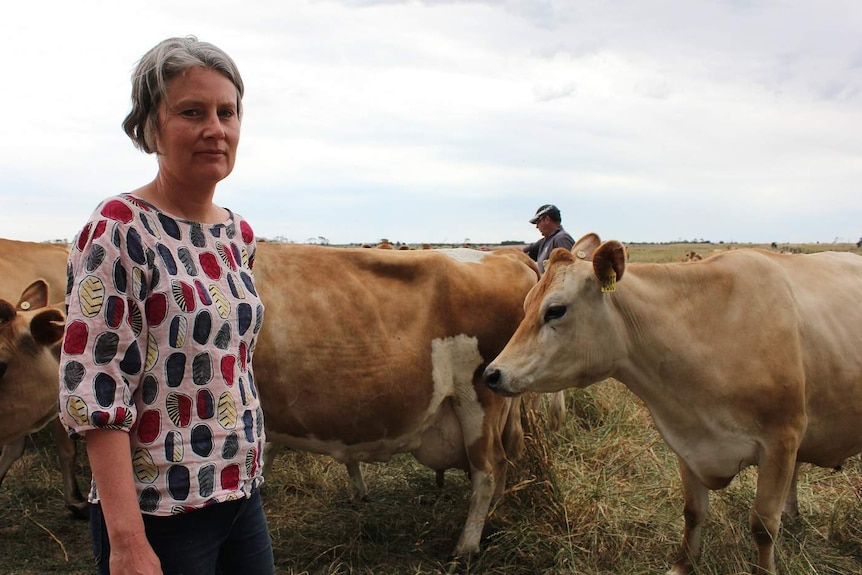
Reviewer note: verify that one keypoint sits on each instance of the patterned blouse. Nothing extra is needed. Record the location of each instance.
(163, 316)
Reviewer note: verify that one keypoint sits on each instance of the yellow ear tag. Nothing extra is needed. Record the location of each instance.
(610, 283)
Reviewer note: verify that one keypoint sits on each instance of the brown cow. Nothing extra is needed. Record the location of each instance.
(29, 394)
(368, 353)
(746, 358)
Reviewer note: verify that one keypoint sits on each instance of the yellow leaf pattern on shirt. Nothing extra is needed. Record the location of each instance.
(221, 302)
(92, 296)
(142, 463)
(226, 411)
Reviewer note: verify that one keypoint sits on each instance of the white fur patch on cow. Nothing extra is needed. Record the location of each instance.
(466, 255)
(454, 360)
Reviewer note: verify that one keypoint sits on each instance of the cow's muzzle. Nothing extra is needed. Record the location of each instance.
(493, 379)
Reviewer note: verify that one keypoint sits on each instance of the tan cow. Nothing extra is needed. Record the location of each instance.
(745, 358)
(29, 386)
(368, 353)
(27, 341)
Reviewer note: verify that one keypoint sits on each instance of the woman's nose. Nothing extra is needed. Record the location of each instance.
(213, 127)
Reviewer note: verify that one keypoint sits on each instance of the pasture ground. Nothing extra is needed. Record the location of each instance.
(602, 496)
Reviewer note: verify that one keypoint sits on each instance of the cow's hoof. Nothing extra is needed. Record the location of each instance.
(456, 566)
(80, 510)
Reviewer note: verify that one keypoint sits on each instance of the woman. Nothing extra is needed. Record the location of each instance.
(163, 314)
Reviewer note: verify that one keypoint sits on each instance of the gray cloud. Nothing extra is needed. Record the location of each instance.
(440, 120)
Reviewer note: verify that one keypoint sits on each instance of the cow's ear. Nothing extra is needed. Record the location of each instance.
(609, 263)
(47, 326)
(34, 297)
(560, 255)
(585, 247)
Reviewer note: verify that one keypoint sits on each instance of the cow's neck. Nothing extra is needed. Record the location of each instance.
(668, 343)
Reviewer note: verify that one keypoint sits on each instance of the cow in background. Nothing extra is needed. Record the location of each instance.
(365, 354)
(29, 360)
(745, 358)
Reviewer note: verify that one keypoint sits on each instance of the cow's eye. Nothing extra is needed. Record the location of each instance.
(555, 311)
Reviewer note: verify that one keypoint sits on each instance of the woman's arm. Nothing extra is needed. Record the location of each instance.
(111, 464)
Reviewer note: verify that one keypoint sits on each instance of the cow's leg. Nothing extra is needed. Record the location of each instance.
(66, 451)
(696, 506)
(791, 505)
(556, 407)
(11, 452)
(513, 431)
(358, 488)
(270, 450)
(488, 463)
(556, 410)
(482, 484)
(774, 479)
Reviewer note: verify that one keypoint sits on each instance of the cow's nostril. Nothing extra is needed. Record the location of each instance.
(492, 378)
(2, 368)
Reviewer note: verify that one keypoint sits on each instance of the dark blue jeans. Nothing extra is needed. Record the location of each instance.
(228, 538)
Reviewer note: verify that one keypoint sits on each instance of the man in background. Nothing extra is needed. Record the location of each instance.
(549, 223)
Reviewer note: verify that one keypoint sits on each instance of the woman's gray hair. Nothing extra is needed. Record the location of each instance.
(155, 69)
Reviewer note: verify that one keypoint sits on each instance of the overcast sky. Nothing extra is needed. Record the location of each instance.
(443, 121)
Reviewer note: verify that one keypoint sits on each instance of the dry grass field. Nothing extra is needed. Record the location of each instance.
(601, 496)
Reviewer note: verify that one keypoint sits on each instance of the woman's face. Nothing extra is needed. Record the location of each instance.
(198, 129)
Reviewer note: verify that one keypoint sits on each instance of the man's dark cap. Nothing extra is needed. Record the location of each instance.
(546, 210)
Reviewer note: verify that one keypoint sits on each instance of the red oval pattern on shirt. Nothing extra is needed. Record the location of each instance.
(227, 369)
(156, 309)
(117, 210)
(100, 228)
(210, 265)
(246, 231)
(149, 426)
(230, 477)
(75, 339)
(243, 356)
(83, 237)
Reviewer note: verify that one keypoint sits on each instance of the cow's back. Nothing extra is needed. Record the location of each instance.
(23, 262)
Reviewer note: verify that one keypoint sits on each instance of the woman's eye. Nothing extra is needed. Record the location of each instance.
(190, 113)
(226, 113)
